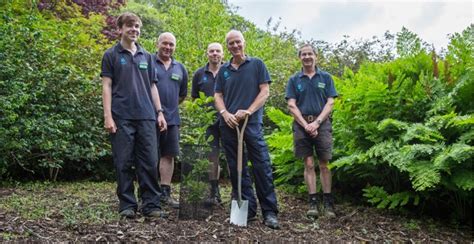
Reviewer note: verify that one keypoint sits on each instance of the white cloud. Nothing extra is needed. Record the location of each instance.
(330, 20)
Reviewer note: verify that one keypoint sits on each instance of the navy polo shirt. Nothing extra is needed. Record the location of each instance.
(203, 81)
(241, 86)
(311, 94)
(172, 84)
(132, 76)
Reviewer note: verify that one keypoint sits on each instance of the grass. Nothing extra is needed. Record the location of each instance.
(74, 203)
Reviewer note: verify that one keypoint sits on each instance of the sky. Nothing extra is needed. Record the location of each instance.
(329, 21)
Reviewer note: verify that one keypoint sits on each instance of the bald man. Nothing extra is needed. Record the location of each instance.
(173, 87)
(242, 87)
(204, 81)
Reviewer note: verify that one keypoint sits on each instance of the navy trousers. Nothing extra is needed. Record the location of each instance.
(135, 155)
(257, 153)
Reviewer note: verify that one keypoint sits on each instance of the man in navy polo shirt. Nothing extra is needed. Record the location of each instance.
(131, 111)
(242, 87)
(173, 87)
(310, 94)
(204, 81)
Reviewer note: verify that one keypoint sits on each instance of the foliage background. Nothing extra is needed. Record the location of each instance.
(403, 124)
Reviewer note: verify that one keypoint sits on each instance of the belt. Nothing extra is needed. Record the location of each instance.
(310, 118)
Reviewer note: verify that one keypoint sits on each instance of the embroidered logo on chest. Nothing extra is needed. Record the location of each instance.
(143, 65)
(226, 75)
(175, 77)
(123, 61)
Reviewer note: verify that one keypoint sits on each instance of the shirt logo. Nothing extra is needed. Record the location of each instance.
(143, 65)
(299, 87)
(123, 61)
(321, 85)
(204, 79)
(175, 77)
(226, 75)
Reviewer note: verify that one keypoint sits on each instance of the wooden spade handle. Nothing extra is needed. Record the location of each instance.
(240, 138)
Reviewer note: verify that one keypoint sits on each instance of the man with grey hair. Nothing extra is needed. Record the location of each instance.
(242, 87)
(173, 87)
(204, 80)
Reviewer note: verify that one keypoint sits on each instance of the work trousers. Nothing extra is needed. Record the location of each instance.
(135, 155)
(257, 153)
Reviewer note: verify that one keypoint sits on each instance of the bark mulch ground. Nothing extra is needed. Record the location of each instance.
(354, 223)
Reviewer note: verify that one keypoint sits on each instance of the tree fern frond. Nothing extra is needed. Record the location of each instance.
(347, 161)
(467, 138)
(463, 179)
(418, 133)
(376, 195)
(282, 120)
(423, 175)
(280, 140)
(392, 123)
(455, 153)
(441, 121)
(442, 106)
(421, 151)
(464, 121)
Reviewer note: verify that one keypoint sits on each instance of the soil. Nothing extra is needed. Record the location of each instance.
(353, 223)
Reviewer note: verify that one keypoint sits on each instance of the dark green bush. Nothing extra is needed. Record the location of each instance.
(50, 110)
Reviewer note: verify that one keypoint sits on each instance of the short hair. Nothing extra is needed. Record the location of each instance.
(234, 32)
(215, 44)
(127, 18)
(165, 34)
(306, 45)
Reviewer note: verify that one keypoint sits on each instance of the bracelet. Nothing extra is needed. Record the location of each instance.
(159, 111)
(222, 111)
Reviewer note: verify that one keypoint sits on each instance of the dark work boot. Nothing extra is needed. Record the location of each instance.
(128, 213)
(166, 198)
(313, 211)
(328, 203)
(215, 195)
(270, 220)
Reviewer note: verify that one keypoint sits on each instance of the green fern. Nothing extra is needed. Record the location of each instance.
(392, 123)
(288, 169)
(389, 152)
(420, 151)
(424, 175)
(376, 195)
(467, 138)
(419, 133)
(463, 179)
(350, 160)
(282, 120)
(456, 153)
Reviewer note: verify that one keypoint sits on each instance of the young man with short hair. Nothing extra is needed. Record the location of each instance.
(132, 108)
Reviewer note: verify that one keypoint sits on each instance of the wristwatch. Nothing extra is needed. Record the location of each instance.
(319, 121)
(159, 111)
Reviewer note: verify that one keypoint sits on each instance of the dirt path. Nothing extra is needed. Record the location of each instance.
(354, 223)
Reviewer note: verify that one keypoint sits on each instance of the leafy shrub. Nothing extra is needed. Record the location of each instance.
(398, 128)
(50, 110)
